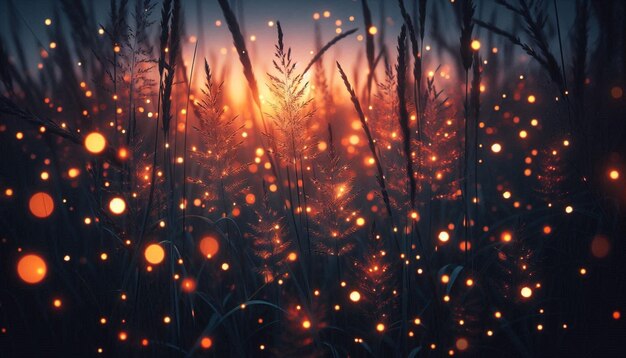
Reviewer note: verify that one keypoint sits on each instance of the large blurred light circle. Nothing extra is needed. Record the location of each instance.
(154, 254)
(41, 205)
(95, 142)
(31, 268)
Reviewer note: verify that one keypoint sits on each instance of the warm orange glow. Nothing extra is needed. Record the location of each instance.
(95, 142)
(31, 268)
(617, 315)
(188, 285)
(57, 303)
(526, 292)
(355, 296)
(206, 342)
(380, 327)
(443, 236)
(614, 174)
(360, 222)
(475, 45)
(306, 324)
(506, 236)
(154, 254)
(41, 205)
(209, 246)
(461, 344)
(496, 148)
(117, 206)
(600, 246)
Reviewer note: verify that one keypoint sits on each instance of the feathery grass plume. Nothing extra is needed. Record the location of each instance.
(269, 243)
(369, 46)
(218, 155)
(335, 193)
(380, 177)
(240, 44)
(535, 23)
(326, 47)
(291, 109)
(579, 67)
(403, 115)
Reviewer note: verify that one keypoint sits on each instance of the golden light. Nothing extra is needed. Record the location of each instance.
(209, 246)
(117, 206)
(496, 147)
(569, 209)
(443, 236)
(526, 292)
(154, 254)
(532, 99)
(95, 142)
(614, 174)
(355, 296)
(475, 45)
(360, 222)
(41, 205)
(31, 268)
(616, 315)
(306, 324)
(380, 327)
(57, 303)
(462, 344)
(73, 172)
(506, 236)
(372, 30)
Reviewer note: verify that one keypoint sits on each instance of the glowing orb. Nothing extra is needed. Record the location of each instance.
(95, 142)
(461, 344)
(355, 296)
(31, 268)
(496, 148)
(188, 285)
(306, 324)
(380, 327)
(117, 205)
(443, 236)
(526, 292)
(206, 342)
(600, 246)
(154, 254)
(614, 174)
(475, 45)
(41, 205)
(209, 246)
(360, 222)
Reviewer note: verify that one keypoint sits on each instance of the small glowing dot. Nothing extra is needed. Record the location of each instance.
(496, 148)
(306, 324)
(532, 99)
(372, 30)
(569, 209)
(57, 303)
(475, 45)
(614, 174)
(526, 292)
(360, 222)
(48, 22)
(380, 327)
